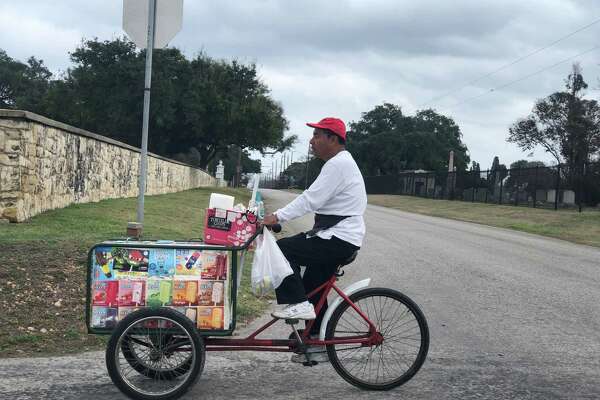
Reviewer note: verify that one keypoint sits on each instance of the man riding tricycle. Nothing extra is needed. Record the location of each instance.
(165, 303)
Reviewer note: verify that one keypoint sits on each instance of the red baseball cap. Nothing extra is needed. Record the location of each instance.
(334, 125)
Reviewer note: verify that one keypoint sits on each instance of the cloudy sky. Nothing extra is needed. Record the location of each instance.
(342, 58)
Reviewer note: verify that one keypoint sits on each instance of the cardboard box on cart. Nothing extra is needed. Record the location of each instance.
(225, 225)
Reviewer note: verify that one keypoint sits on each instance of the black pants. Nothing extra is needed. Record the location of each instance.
(321, 258)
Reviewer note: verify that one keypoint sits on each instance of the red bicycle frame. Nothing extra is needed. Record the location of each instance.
(288, 345)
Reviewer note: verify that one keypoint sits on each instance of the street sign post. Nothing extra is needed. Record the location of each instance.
(149, 24)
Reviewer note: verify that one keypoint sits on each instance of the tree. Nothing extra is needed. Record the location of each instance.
(497, 174)
(386, 142)
(104, 91)
(23, 86)
(198, 108)
(564, 124)
(227, 104)
(230, 158)
(529, 175)
(299, 174)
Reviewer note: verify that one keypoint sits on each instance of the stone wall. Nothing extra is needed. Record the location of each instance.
(45, 164)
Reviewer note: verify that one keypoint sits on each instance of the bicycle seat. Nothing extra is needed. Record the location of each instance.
(349, 259)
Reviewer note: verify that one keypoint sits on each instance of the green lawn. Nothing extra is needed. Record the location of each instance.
(43, 266)
(174, 216)
(583, 228)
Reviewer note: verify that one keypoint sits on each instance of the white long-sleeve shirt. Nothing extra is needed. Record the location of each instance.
(338, 190)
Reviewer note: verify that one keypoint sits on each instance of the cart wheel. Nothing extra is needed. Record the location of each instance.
(155, 353)
(139, 363)
(397, 358)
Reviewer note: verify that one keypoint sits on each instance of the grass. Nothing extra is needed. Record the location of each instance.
(43, 267)
(583, 228)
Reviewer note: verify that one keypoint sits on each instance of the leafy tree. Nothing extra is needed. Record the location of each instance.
(227, 104)
(497, 174)
(298, 175)
(386, 142)
(529, 175)
(105, 91)
(198, 107)
(22, 85)
(230, 158)
(564, 124)
(522, 164)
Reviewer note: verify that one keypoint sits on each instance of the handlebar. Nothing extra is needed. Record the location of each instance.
(276, 228)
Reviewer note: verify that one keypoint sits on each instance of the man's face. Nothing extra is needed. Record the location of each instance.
(321, 143)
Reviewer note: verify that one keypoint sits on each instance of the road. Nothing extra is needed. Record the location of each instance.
(511, 315)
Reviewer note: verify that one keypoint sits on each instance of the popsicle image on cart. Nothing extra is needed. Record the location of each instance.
(192, 260)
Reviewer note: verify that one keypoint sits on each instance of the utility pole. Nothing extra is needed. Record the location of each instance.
(238, 168)
(276, 174)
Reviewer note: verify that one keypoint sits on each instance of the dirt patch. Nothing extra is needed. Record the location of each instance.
(43, 299)
(42, 296)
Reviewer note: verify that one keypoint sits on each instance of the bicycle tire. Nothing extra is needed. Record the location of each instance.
(152, 322)
(371, 301)
(136, 363)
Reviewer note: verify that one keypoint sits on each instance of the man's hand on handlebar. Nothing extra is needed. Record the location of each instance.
(270, 219)
(272, 222)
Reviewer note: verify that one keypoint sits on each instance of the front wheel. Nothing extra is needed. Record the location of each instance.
(155, 354)
(397, 358)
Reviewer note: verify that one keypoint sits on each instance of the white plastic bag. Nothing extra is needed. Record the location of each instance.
(269, 266)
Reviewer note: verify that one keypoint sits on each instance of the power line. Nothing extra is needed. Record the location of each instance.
(522, 78)
(510, 63)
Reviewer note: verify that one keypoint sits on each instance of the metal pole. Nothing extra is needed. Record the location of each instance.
(487, 184)
(579, 188)
(473, 190)
(147, 82)
(501, 185)
(535, 186)
(284, 164)
(517, 186)
(276, 174)
(238, 168)
(557, 187)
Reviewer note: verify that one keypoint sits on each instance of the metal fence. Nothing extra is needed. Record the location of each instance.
(546, 187)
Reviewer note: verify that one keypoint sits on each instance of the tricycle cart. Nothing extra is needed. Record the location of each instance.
(165, 303)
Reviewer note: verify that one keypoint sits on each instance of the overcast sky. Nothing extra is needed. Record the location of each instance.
(342, 58)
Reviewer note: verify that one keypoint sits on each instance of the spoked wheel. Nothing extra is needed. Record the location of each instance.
(136, 356)
(398, 356)
(155, 354)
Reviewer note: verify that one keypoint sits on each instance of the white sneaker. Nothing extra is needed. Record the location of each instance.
(313, 353)
(303, 310)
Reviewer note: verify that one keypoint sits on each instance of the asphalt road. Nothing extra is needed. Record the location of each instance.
(511, 315)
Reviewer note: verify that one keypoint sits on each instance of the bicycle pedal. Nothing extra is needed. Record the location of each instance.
(310, 363)
(292, 321)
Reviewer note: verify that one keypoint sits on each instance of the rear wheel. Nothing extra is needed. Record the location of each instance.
(155, 354)
(400, 354)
